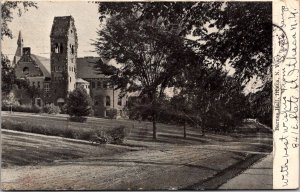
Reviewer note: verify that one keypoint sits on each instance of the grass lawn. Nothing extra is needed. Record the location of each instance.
(171, 162)
(38, 162)
(135, 130)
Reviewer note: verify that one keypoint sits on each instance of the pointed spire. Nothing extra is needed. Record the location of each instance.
(19, 51)
(20, 39)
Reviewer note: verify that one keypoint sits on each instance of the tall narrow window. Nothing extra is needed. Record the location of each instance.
(72, 49)
(107, 101)
(56, 48)
(46, 87)
(70, 79)
(93, 84)
(120, 101)
(61, 48)
(38, 84)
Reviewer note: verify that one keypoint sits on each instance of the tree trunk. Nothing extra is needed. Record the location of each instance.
(184, 129)
(154, 114)
(154, 127)
(202, 128)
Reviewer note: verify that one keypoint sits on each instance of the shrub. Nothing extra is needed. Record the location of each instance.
(116, 135)
(64, 109)
(21, 108)
(51, 109)
(111, 113)
(79, 103)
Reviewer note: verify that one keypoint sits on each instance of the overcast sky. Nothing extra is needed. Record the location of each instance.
(36, 26)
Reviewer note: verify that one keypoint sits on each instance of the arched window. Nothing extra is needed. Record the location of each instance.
(107, 101)
(26, 70)
(70, 79)
(56, 48)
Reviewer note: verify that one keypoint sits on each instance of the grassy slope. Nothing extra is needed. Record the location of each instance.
(170, 162)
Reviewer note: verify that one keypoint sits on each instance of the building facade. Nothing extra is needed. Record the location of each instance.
(63, 72)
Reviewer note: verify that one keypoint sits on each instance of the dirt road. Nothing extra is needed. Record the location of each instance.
(34, 162)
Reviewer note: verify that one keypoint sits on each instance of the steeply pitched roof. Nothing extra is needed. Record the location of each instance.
(61, 26)
(86, 68)
(43, 63)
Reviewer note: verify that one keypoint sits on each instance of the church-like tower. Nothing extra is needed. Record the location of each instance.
(19, 51)
(63, 57)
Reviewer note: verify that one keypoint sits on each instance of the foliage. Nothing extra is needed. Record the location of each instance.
(187, 45)
(261, 104)
(115, 135)
(7, 11)
(240, 33)
(7, 74)
(20, 108)
(150, 57)
(78, 103)
(51, 109)
(9, 99)
(111, 113)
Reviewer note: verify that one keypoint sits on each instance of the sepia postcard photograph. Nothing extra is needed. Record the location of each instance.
(149, 95)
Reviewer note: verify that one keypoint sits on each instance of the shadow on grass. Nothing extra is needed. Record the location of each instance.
(134, 163)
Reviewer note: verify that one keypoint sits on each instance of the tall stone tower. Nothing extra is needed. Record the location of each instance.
(19, 51)
(63, 57)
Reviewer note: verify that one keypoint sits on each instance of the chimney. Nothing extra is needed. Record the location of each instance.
(26, 51)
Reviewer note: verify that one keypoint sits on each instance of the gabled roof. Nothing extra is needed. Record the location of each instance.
(43, 63)
(61, 26)
(86, 68)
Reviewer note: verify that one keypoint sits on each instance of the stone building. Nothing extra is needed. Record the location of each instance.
(63, 72)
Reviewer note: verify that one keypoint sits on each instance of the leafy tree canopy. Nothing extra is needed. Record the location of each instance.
(7, 10)
(238, 33)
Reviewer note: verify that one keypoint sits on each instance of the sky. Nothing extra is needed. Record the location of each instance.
(36, 26)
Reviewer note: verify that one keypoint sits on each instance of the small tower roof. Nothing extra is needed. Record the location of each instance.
(20, 38)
